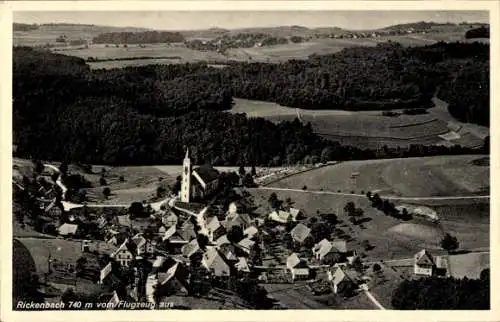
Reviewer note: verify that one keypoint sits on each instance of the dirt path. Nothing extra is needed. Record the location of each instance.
(385, 197)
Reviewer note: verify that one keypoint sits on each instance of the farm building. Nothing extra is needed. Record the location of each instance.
(280, 216)
(424, 263)
(300, 232)
(297, 267)
(124, 255)
(250, 231)
(68, 230)
(246, 245)
(173, 281)
(343, 279)
(215, 263)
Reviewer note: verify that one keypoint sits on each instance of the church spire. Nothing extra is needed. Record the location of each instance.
(187, 154)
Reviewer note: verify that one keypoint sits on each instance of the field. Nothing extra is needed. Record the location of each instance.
(369, 129)
(411, 177)
(392, 238)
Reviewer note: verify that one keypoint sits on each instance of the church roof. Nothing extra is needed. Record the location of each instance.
(207, 173)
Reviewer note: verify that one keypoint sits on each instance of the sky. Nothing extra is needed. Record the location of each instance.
(192, 20)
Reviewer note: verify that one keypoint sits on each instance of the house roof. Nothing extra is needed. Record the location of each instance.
(66, 229)
(159, 261)
(229, 251)
(169, 233)
(246, 244)
(322, 248)
(123, 247)
(279, 216)
(340, 245)
(171, 219)
(250, 231)
(292, 260)
(242, 264)
(341, 273)
(207, 173)
(213, 260)
(300, 232)
(222, 240)
(423, 257)
(190, 248)
(213, 224)
(237, 220)
(187, 231)
(139, 240)
(123, 220)
(294, 212)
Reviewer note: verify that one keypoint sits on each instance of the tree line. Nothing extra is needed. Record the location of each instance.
(143, 37)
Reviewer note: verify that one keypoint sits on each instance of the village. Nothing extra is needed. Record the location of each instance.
(199, 244)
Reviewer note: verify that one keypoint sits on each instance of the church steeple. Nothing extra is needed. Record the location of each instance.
(185, 192)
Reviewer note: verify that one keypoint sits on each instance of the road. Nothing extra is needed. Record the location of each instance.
(372, 298)
(364, 196)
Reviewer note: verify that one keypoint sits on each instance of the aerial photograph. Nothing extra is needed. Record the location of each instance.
(250, 160)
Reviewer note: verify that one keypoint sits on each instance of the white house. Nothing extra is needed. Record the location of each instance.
(123, 255)
(297, 267)
(423, 263)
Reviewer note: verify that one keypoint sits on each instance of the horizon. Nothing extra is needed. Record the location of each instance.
(203, 20)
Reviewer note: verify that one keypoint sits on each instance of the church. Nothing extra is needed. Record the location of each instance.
(197, 183)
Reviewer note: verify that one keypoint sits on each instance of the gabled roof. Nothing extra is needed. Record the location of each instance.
(190, 248)
(242, 265)
(123, 247)
(212, 260)
(169, 233)
(250, 231)
(279, 216)
(292, 260)
(213, 224)
(123, 220)
(170, 219)
(207, 173)
(340, 245)
(222, 240)
(187, 231)
(139, 240)
(300, 232)
(229, 251)
(322, 248)
(66, 229)
(242, 220)
(294, 212)
(423, 257)
(246, 244)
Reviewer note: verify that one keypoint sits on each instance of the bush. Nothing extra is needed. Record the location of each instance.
(102, 181)
(122, 179)
(106, 192)
(304, 188)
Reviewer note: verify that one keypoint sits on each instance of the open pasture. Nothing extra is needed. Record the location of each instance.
(391, 238)
(410, 177)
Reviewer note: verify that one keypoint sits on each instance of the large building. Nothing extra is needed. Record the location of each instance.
(197, 183)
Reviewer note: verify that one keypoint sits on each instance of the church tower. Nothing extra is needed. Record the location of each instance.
(186, 179)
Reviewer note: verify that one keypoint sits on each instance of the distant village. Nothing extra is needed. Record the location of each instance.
(195, 242)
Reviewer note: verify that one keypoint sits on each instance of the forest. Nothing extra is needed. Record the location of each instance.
(435, 293)
(143, 37)
(149, 115)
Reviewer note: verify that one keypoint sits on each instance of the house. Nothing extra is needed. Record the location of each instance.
(68, 230)
(187, 231)
(297, 267)
(140, 244)
(246, 245)
(250, 231)
(215, 263)
(423, 263)
(280, 216)
(175, 236)
(124, 255)
(199, 183)
(222, 240)
(173, 282)
(321, 249)
(190, 248)
(170, 219)
(104, 273)
(242, 220)
(295, 213)
(124, 220)
(228, 251)
(215, 229)
(343, 279)
(300, 233)
(242, 265)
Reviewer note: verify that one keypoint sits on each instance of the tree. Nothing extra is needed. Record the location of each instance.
(486, 145)
(376, 267)
(136, 210)
(248, 180)
(122, 179)
(241, 171)
(449, 243)
(102, 181)
(273, 200)
(160, 192)
(64, 167)
(253, 171)
(38, 166)
(369, 195)
(235, 234)
(106, 192)
(326, 155)
(349, 208)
